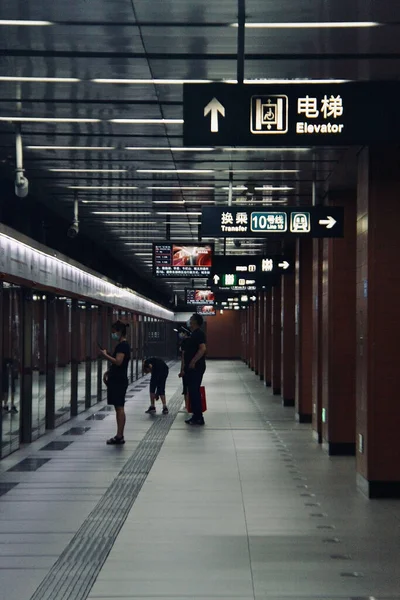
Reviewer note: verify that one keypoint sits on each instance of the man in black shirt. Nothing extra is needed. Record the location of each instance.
(116, 378)
(159, 373)
(195, 366)
(184, 335)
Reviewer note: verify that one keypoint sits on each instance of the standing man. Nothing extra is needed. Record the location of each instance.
(159, 373)
(184, 335)
(195, 366)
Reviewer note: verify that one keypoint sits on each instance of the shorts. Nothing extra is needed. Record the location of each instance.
(157, 384)
(116, 393)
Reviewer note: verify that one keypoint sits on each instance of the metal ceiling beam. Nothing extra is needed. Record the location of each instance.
(199, 56)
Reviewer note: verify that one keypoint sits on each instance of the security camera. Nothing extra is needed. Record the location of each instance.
(237, 243)
(21, 185)
(73, 230)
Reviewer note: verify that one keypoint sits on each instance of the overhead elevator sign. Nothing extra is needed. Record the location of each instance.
(307, 114)
(260, 221)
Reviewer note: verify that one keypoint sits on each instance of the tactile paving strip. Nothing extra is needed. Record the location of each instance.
(76, 570)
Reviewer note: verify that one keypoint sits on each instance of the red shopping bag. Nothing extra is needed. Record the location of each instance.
(203, 400)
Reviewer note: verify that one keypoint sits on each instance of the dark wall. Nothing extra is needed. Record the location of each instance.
(36, 220)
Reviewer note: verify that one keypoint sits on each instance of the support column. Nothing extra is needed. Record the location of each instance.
(75, 336)
(267, 336)
(26, 389)
(251, 337)
(339, 334)
(288, 340)
(276, 340)
(378, 323)
(256, 338)
(261, 317)
(304, 331)
(51, 356)
(317, 340)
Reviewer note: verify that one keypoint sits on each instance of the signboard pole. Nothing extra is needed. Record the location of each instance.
(241, 34)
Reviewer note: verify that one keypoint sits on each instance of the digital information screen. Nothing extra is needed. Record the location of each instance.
(199, 297)
(206, 311)
(171, 259)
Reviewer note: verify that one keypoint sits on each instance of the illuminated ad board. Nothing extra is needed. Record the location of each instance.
(259, 221)
(295, 114)
(199, 297)
(172, 259)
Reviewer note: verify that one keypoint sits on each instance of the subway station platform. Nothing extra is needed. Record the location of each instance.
(248, 507)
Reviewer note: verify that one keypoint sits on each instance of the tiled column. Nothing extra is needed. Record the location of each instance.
(288, 340)
(276, 340)
(378, 322)
(339, 334)
(317, 340)
(261, 317)
(251, 337)
(304, 331)
(256, 338)
(267, 336)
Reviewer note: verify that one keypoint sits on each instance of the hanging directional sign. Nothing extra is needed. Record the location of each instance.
(259, 221)
(241, 282)
(251, 266)
(221, 114)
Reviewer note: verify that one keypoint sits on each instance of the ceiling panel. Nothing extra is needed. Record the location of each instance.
(169, 40)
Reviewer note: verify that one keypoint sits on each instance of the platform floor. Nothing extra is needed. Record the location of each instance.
(248, 507)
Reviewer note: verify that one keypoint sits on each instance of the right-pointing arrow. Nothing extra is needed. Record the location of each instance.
(284, 265)
(214, 107)
(329, 222)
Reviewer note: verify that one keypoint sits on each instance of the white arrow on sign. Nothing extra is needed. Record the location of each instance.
(329, 222)
(214, 107)
(216, 279)
(285, 265)
(254, 298)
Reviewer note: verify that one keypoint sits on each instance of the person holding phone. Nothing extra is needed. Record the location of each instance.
(116, 378)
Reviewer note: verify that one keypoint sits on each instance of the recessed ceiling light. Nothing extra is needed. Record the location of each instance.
(148, 121)
(311, 25)
(187, 214)
(88, 170)
(243, 149)
(96, 148)
(110, 201)
(151, 81)
(181, 187)
(293, 81)
(143, 253)
(172, 171)
(138, 243)
(40, 79)
(102, 187)
(168, 202)
(182, 223)
(47, 120)
(167, 149)
(199, 201)
(262, 171)
(25, 23)
(129, 224)
(120, 213)
(272, 188)
(235, 188)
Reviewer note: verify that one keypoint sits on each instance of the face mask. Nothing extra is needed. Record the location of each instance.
(115, 336)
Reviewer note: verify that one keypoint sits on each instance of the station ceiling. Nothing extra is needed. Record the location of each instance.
(63, 67)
